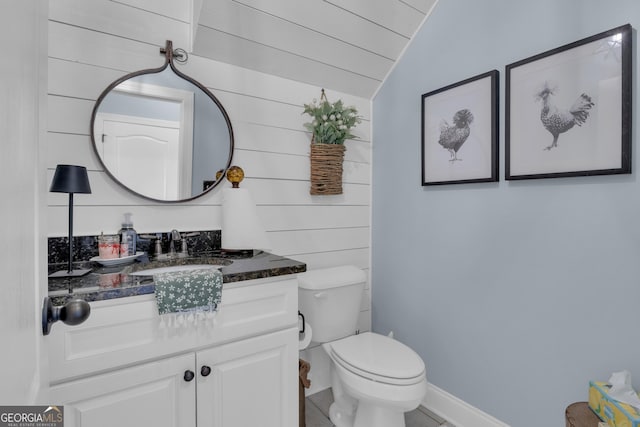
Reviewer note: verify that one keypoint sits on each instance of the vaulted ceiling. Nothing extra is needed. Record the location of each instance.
(345, 45)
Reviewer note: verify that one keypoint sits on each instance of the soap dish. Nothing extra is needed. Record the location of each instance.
(116, 261)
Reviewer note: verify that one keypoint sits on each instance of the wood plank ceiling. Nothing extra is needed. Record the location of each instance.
(345, 45)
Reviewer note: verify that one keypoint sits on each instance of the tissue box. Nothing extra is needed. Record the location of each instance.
(615, 413)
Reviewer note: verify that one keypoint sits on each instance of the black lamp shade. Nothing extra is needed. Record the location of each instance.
(70, 179)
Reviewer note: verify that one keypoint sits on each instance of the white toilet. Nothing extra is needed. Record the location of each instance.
(374, 378)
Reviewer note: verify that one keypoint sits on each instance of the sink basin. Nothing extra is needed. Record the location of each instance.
(158, 270)
(178, 264)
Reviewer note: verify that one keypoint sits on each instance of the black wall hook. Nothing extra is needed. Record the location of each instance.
(72, 313)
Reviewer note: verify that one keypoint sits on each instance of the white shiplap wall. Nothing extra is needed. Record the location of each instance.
(93, 42)
(348, 45)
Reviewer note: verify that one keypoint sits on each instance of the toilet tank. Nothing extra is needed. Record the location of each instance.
(330, 301)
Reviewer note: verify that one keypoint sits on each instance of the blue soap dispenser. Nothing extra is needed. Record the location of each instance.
(128, 237)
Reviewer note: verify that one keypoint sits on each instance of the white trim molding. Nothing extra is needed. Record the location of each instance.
(456, 411)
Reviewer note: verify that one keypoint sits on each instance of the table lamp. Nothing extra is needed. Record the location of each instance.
(70, 179)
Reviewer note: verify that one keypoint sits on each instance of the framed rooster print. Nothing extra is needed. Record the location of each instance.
(568, 110)
(460, 132)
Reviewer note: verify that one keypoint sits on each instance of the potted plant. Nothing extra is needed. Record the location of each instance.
(330, 126)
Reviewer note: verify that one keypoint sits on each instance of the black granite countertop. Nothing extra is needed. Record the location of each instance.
(105, 283)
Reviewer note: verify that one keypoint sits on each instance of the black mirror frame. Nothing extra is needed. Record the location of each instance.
(169, 55)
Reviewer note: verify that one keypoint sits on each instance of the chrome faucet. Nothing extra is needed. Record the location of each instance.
(157, 239)
(173, 237)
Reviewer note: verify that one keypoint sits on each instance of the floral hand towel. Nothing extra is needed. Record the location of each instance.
(191, 295)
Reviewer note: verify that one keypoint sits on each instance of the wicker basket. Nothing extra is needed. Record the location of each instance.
(326, 168)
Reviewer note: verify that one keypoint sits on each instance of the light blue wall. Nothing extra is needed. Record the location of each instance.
(516, 294)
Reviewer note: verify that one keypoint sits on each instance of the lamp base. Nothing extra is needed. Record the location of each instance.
(72, 273)
(241, 253)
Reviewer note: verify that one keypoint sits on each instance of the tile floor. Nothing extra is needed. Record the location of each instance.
(317, 413)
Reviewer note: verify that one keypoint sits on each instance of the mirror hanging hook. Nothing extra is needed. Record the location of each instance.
(180, 55)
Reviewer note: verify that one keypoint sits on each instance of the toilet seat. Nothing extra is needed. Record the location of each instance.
(378, 358)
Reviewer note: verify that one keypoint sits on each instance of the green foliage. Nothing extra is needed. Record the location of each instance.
(331, 123)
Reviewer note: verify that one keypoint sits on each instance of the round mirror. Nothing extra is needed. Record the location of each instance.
(161, 134)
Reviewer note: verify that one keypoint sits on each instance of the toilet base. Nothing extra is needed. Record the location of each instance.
(366, 416)
(339, 417)
(343, 409)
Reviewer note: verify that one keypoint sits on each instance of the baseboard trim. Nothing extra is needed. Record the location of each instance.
(456, 411)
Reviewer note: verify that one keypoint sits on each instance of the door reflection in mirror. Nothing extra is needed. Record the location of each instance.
(162, 136)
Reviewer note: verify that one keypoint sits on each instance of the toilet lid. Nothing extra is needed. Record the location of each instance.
(374, 355)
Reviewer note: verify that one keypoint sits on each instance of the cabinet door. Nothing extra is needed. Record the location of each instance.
(253, 382)
(152, 394)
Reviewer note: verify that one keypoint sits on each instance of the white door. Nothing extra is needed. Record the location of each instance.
(152, 394)
(144, 154)
(253, 382)
(23, 262)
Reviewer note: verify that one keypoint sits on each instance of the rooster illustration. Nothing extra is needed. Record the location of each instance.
(452, 137)
(558, 121)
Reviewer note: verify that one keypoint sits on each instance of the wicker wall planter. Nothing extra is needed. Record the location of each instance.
(326, 168)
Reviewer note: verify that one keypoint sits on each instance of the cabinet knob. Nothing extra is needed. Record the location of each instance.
(205, 370)
(188, 375)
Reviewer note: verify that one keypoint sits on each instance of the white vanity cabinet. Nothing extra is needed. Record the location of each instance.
(151, 394)
(247, 383)
(122, 368)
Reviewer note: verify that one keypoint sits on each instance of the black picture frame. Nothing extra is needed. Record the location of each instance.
(459, 134)
(568, 110)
